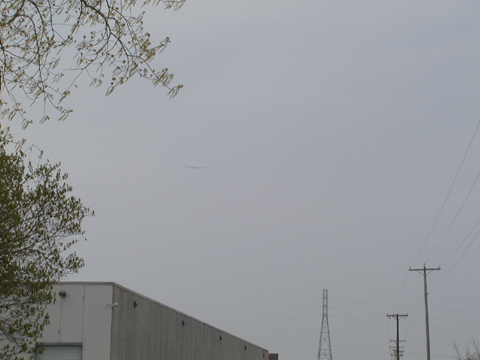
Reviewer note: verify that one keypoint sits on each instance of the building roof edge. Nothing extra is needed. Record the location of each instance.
(154, 301)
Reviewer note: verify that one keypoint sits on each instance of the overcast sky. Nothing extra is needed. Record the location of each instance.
(332, 132)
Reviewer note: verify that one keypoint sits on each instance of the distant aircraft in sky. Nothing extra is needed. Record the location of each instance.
(196, 167)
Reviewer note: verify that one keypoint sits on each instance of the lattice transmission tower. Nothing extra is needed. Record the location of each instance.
(324, 346)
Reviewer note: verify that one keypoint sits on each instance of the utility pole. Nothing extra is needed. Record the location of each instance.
(324, 346)
(426, 271)
(397, 316)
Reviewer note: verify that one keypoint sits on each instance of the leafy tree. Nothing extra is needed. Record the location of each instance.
(97, 35)
(39, 223)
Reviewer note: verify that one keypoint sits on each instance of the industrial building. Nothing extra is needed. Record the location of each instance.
(106, 321)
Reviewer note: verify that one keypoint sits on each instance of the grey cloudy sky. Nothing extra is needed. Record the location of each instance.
(332, 131)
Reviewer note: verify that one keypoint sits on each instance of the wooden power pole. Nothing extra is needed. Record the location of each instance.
(425, 272)
(397, 316)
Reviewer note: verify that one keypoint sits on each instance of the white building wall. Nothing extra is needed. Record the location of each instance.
(83, 316)
(111, 322)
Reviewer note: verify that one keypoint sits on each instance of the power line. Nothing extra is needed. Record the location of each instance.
(416, 318)
(463, 242)
(401, 290)
(458, 261)
(456, 215)
(411, 293)
(448, 194)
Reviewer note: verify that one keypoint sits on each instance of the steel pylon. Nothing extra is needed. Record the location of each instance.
(324, 346)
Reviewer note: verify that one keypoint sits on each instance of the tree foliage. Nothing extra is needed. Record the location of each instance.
(99, 35)
(39, 223)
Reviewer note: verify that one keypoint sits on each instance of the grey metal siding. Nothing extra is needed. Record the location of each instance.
(143, 329)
